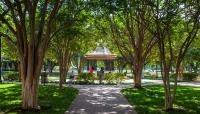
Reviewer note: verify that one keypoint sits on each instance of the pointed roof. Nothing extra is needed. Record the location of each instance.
(101, 53)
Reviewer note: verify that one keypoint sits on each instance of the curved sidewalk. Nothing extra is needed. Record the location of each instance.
(100, 100)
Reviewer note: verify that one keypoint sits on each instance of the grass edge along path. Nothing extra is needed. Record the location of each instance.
(52, 100)
(150, 100)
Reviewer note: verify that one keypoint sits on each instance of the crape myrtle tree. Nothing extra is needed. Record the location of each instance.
(30, 22)
(65, 42)
(177, 24)
(130, 25)
(64, 46)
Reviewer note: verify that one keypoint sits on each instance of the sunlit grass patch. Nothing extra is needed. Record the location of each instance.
(51, 99)
(150, 100)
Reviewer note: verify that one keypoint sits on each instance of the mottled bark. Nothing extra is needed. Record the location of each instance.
(30, 68)
(139, 43)
(137, 76)
(30, 93)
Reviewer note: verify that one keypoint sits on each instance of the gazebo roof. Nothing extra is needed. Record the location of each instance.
(101, 53)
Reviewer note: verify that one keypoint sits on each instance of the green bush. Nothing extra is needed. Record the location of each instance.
(85, 77)
(119, 77)
(147, 74)
(44, 78)
(114, 77)
(11, 76)
(187, 76)
(109, 77)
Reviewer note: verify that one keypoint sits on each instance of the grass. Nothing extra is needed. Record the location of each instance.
(51, 99)
(150, 100)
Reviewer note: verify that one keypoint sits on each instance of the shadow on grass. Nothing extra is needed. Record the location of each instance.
(51, 99)
(150, 100)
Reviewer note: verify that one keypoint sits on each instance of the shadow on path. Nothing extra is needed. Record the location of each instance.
(100, 100)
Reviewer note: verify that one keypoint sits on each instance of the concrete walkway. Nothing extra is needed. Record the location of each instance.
(191, 83)
(107, 99)
(155, 82)
(95, 99)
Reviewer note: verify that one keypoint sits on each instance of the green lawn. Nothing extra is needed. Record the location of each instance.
(150, 100)
(51, 99)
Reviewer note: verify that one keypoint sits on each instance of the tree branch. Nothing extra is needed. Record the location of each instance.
(7, 38)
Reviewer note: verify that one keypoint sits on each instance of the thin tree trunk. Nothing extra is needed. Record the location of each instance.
(178, 65)
(62, 71)
(64, 65)
(80, 66)
(179, 71)
(168, 99)
(168, 95)
(166, 82)
(19, 70)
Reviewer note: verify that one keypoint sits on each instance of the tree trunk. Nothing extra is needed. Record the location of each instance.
(62, 69)
(19, 70)
(168, 100)
(80, 65)
(168, 96)
(179, 71)
(29, 94)
(62, 77)
(138, 67)
(137, 76)
(30, 68)
(64, 62)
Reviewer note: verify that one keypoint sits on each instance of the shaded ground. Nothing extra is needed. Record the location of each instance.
(100, 100)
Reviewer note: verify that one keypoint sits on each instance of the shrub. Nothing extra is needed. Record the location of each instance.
(187, 76)
(147, 74)
(114, 77)
(11, 76)
(109, 77)
(119, 77)
(44, 78)
(85, 76)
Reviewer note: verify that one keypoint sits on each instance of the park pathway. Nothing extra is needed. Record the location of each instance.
(96, 99)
